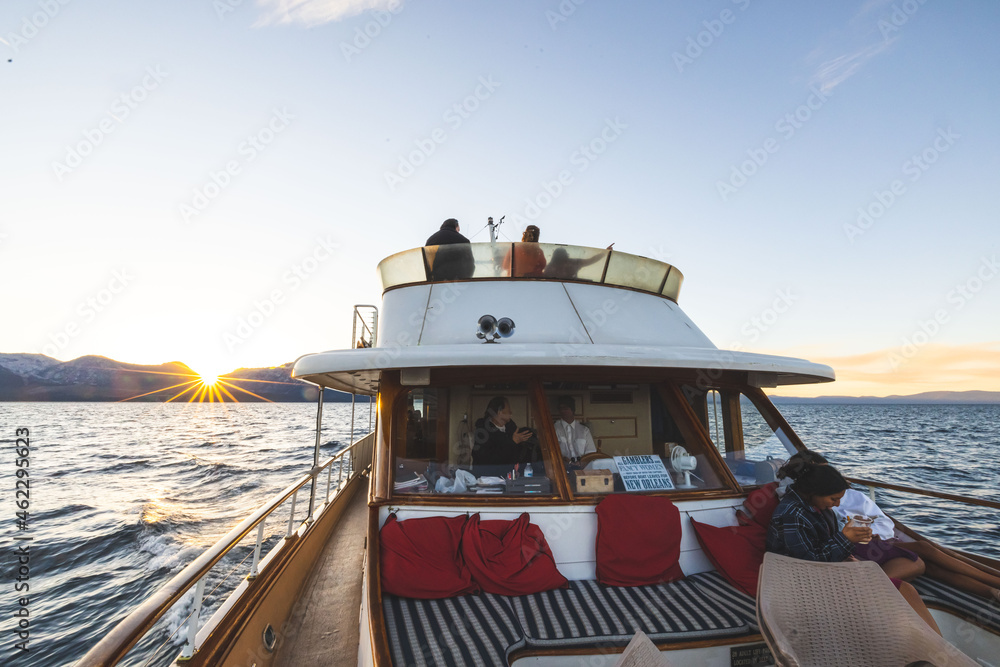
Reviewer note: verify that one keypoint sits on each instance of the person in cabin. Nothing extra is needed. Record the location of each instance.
(575, 439)
(805, 526)
(528, 258)
(900, 559)
(449, 254)
(499, 445)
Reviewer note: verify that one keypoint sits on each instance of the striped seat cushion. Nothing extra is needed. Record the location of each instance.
(713, 585)
(590, 614)
(982, 611)
(466, 630)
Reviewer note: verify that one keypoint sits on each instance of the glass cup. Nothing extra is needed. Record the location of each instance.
(863, 521)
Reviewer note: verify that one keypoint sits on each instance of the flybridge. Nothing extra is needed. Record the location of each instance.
(517, 261)
(573, 306)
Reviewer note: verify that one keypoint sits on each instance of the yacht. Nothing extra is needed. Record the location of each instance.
(556, 454)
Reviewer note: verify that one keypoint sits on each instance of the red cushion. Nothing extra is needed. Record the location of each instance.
(760, 504)
(509, 557)
(420, 558)
(736, 552)
(638, 540)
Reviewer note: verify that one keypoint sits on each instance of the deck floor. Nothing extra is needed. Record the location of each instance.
(324, 622)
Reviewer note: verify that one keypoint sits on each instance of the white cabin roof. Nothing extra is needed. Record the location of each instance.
(587, 320)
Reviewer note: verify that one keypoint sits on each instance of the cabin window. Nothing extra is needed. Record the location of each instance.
(752, 445)
(622, 437)
(713, 420)
(470, 439)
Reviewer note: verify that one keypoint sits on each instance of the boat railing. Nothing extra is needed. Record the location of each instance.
(925, 492)
(365, 326)
(353, 461)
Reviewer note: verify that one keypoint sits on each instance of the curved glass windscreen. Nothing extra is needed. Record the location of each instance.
(505, 439)
(532, 261)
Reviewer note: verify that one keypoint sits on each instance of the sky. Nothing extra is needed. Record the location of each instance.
(214, 182)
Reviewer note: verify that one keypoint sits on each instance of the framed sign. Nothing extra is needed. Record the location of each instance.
(643, 473)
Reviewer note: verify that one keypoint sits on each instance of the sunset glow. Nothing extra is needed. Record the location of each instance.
(818, 172)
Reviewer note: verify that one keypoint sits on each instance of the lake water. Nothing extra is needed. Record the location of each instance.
(124, 495)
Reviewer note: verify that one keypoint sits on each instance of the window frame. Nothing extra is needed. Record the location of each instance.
(667, 384)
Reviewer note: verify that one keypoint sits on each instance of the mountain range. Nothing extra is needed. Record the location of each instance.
(36, 377)
(927, 397)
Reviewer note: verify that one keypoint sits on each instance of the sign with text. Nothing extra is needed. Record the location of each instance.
(753, 655)
(643, 473)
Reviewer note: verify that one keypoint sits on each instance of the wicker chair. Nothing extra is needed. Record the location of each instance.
(815, 614)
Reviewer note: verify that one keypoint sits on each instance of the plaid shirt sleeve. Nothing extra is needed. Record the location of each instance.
(800, 535)
(802, 540)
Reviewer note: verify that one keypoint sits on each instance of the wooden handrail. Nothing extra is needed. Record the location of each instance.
(120, 640)
(925, 492)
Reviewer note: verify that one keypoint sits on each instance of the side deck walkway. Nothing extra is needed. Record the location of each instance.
(323, 626)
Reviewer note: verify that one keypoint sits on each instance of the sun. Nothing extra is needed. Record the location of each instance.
(207, 387)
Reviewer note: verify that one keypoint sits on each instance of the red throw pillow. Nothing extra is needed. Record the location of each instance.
(509, 557)
(420, 558)
(736, 552)
(638, 540)
(760, 504)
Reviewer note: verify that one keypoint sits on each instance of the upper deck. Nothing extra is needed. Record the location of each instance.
(530, 261)
(567, 306)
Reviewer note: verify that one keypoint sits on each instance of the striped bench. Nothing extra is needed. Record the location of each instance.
(485, 629)
(965, 605)
(713, 585)
(588, 614)
(466, 630)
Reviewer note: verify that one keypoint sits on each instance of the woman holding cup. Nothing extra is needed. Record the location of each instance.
(805, 526)
(899, 559)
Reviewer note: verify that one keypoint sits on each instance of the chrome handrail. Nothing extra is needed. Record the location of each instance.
(120, 640)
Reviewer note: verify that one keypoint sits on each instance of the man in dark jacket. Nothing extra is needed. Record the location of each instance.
(451, 259)
(447, 234)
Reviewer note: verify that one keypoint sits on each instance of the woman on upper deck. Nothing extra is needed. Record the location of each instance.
(527, 256)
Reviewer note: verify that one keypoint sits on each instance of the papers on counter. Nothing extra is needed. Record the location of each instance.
(491, 481)
(417, 483)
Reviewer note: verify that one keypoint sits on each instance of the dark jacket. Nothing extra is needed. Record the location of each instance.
(494, 451)
(446, 236)
(451, 259)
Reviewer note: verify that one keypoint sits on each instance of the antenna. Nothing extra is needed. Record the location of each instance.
(493, 229)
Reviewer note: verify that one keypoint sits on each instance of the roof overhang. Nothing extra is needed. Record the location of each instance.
(357, 371)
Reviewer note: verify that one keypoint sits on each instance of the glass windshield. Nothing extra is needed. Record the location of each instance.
(622, 438)
(535, 261)
(470, 439)
(754, 447)
(498, 439)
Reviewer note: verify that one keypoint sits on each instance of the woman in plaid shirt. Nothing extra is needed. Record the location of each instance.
(805, 526)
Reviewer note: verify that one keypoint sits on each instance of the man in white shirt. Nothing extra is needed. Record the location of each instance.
(575, 439)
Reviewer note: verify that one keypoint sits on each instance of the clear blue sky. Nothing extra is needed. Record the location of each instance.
(745, 139)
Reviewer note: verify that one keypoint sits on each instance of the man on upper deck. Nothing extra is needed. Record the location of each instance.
(452, 258)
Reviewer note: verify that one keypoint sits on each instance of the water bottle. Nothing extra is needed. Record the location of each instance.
(527, 471)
